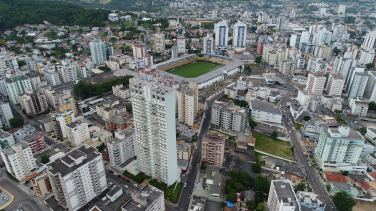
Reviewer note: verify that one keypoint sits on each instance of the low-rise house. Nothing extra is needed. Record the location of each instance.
(265, 112)
(310, 200)
(296, 111)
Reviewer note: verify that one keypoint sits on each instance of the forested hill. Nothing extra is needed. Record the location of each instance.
(18, 12)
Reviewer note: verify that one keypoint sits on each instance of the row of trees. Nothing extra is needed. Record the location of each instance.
(16, 13)
(86, 90)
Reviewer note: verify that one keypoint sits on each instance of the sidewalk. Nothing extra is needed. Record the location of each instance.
(11, 198)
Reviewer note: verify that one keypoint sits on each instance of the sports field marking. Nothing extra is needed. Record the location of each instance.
(194, 70)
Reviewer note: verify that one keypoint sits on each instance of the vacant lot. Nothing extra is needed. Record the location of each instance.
(193, 70)
(364, 206)
(273, 146)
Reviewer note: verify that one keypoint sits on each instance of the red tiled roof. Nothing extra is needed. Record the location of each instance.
(334, 177)
(364, 185)
(31, 176)
(373, 174)
(229, 208)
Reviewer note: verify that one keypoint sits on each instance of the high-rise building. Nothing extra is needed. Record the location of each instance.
(19, 160)
(7, 61)
(42, 185)
(239, 34)
(367, 56)
(77, 177)
(59, 121)
(148, 198)
(187, 102)
(213, 149)
(33, 101)
(159, 42)
(5, 114)
(228, 116)
(337, 146)
(50, 75)
(315, 83)
(341, 8)
(122, 148)
(153, 106)
(356, 82)
(324, 52)
(282, 197)
(181, 44)
(324, 36)
(208, 45)
(174, 52)
(34, 79)
(35, 141)
(15, 86)
(286, 67)
(138, 48)
(221, 34)
(98, 50)
(370, 41)
(335, 84)
(370, 90)
(78, 132)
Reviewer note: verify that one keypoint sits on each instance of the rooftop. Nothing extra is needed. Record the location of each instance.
(213, 137)
(334, 177)
(143, 199)
(263, 106)
(309, 197)
(285, 193)
(114, 191)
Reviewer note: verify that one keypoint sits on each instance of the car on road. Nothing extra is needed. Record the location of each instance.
(123, 178)
(196, 147)
(126, 186)
(190, 192)
(185, 185)
(306, 156)
(135, 185)
(127, 180)
(115, 173)
(111, 171)
(198, 165)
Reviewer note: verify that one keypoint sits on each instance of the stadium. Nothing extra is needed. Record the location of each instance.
(205, 69)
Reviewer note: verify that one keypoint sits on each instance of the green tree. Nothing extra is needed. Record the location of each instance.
(252, 123)
(21, 63)
(363, 130)
(300, 187)
(336, 50)
(45, 158)
(203, 166)
(260, 207)
(306, 118)
(258, 59)
(223, 204)
(372, 106)
(345, 173)
(274, 135)
(343, 201)
(251, 204)
(256, 167)
(370, 66)
(238, 186)
(232, 197)
(16, 122)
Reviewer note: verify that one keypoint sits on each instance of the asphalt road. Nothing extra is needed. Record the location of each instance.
(316, 185)
(20, 198)
(191, 178)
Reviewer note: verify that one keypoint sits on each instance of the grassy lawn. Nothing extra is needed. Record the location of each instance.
(193, 70)
(139, 178)
(169, 192)
(13, 178)
(298, 126)
(174, 197)
(273, 146)
(129, 24)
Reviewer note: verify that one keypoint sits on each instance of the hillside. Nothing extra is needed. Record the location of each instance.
(14, 13)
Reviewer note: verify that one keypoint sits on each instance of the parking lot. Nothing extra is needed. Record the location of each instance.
(2, 201)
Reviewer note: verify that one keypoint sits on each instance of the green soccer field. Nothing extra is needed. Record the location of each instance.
(194, 70)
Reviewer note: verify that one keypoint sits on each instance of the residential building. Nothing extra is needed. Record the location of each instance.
(120, 91)
(315, 83)
(335, 85)
(370, 90)
(282, 196)
(221, 34)
(371, 134)
(181, 44)
(341, 8)
(122, 148)
(324, 52)
(159, 42)
(212, 182)
(34, 79)
(15, 86)
(187, 102)
(227, 116)
(78, 132)
(356, 82)
(77, 177)
(50, 75)
(296, 111)
(42, 185)
(265, 112)
(118, 122)
(239, 34)
(314, 202)
(208, 45)
(8, 61)
(370, 41)
(138, 48)
(337, 146)
(366, 56)
(6, 140)
(358, 107)
(59, 120)
(19, 160)
(286, 67)
(98, 50)
(21, 133)
(5, 114)
(184, 151)
(147, 198)
(34, 102)
(213, 149)
(154, 100)
(35, 141)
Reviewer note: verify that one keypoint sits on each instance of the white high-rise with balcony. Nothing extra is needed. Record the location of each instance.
(221, 34)
(315, 84)
(187, 102)
(239, 34)
(335, 84)
(370, 41)
(78, 132)
(154, 107)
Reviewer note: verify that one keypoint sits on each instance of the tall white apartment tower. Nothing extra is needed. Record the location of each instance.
(370, 41)
(122, 148)
(208, 45)
(239, 34)
(187, 102)
(98, 51)
(77, 177)
(356, 82)
(341, 8)
(335, 84)
(315, 84)
(221, 34)
(19, 160)
(282, 197)
(159, 42)
(154, 121)
(78, 132)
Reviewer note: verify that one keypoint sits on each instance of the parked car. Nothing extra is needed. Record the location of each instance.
(185, 185)
(115, 173)
(123, 178)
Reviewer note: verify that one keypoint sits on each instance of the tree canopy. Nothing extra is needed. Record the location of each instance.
(256, 167)
(306, 118)
(45, 158)
(231, 197)
(16, 122)
(343, 201)
(15, 13)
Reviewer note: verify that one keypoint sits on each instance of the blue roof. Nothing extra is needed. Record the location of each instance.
(229, 204)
